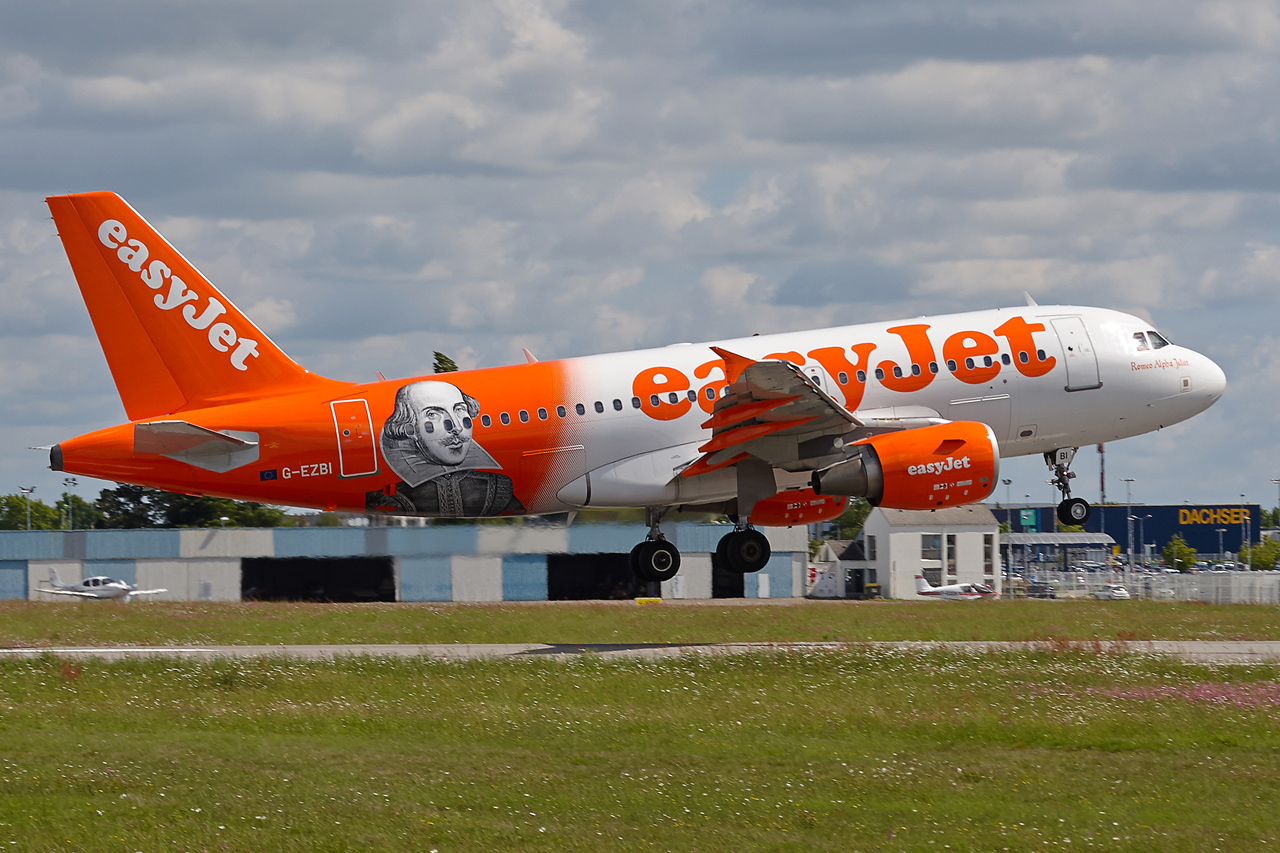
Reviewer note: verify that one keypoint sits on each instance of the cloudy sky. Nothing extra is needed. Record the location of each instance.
(375, 181)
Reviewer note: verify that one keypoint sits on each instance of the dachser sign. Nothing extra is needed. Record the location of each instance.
(1214, 515)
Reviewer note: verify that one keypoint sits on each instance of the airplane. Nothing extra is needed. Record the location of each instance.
(100, 588)
(955, 591)
(771, 430)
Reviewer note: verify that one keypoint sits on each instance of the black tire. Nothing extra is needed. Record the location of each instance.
(745, 551)
(656, 560)
(1074, 511)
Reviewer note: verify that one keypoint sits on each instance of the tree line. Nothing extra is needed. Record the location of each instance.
(131, 507)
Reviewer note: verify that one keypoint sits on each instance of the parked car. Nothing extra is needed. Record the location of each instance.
(1112, 592)
(1041, 590)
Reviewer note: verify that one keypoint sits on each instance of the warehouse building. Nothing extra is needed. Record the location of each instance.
(434, 563)
(952, 545)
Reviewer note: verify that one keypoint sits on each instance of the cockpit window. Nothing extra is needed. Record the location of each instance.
(1140, 340)
(1157, 340)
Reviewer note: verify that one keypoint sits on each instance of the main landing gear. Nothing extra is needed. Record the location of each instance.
(1071, 510)
(655, 559)
(744, 550)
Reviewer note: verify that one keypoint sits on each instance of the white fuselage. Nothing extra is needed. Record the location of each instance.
(1080, 377)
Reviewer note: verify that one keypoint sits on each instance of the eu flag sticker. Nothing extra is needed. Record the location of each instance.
(267, 475)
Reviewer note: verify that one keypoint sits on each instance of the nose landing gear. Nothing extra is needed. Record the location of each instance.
(1072, 510)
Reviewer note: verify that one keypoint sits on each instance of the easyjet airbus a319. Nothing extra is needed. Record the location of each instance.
(772, 430)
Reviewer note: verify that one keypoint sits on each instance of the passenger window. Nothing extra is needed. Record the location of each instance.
(951, 365)
(862, 376)
(844, 378)
(1004, 357)
(484, 419)
(560, 411)
(673, 397)
(1140, 340)
(1157, 340)
(542, 414)
(986, 361)
(711, 393)
(915, 370)
(617, 405)
(580, 409)
(933, 367)
(505, 418)
(654, 401)
(968, 363)
(599, 408)
(1023, 357)
(524, 416)
(879, 373)
(635, 402)
(897, 372)
(693, 398)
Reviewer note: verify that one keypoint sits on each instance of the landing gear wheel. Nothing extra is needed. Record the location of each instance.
(1073, 511)
(655, 560)
(744, 551)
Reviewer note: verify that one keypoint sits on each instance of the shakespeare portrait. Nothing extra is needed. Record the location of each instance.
(428, 444)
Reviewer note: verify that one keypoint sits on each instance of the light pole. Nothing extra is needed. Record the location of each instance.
(1128, 500)
(26, 495)
(1221, 530)
(70, 483)
(1142, 536)
(1276, 521)
(1243, 534)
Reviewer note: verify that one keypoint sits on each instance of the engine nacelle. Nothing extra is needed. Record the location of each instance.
(926, 468)
(787, 509)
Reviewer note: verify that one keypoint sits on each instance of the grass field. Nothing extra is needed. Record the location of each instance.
(828, 750)
(143, 623)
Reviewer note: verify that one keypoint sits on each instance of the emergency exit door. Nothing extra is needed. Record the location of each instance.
(1077, 352)
(357, 451)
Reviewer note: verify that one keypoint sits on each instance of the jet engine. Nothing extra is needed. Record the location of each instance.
(944, 465)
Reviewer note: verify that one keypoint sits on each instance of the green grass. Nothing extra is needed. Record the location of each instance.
(143, 623)
(831, 750)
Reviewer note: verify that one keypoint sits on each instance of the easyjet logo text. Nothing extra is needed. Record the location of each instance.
(951, 463)
(915, 362)
(201, 313)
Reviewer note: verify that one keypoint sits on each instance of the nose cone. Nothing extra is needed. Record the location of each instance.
(1213, 382)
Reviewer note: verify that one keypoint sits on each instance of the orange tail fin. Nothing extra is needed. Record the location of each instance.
(172, 341)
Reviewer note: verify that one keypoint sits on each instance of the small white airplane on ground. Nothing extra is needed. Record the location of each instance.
(100, 587)
(955, 591)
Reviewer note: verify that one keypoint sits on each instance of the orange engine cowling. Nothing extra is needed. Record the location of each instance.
(926, 468)
(787, 509)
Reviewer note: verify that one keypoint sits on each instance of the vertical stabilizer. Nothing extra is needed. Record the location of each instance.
(172, 341)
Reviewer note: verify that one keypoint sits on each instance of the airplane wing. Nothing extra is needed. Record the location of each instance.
(74, 592)
(147, 591)
(772, 411)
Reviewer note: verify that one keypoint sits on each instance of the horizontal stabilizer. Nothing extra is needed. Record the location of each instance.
(195, 445)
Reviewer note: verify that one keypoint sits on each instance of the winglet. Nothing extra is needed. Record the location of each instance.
(1030, 301)
(734, 364)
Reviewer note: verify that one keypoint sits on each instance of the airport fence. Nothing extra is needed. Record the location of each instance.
(1209, 587)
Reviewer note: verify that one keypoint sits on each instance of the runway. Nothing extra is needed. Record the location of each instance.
(1196, 651)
